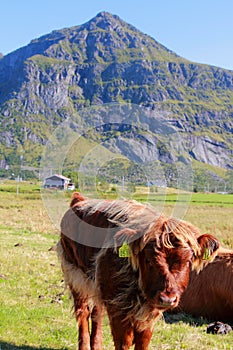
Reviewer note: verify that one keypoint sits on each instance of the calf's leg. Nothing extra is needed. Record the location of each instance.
(96, 330)
(82, 314)
(122, 333)
(142, 339)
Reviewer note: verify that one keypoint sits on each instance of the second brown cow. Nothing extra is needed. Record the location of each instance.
(125, 257)
(210, 293)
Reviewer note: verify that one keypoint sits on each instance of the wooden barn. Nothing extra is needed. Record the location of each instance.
(57, 181)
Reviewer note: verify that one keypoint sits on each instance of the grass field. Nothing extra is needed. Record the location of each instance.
(35, 312)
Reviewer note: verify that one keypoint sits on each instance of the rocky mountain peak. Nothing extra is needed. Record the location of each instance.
(108, 60)
(106, 20)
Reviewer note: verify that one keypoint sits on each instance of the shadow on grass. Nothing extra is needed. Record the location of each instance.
(176, 317)
(170, 318)
(11, 346)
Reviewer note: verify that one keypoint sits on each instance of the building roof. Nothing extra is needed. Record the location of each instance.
(58, 176)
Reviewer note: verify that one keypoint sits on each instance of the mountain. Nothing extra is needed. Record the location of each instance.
(108, 60)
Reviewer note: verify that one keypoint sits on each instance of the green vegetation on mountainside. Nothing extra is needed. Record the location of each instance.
(107, 60)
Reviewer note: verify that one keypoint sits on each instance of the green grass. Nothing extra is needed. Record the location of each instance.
(34, 312)
(214, 199)
(210, 199)
(31, 314)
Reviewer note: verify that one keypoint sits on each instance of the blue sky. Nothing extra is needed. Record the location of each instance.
(199, 30)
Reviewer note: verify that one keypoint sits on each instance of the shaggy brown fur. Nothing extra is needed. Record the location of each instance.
(134, 289)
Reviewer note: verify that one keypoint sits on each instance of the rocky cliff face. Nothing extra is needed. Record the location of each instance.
(107, 60)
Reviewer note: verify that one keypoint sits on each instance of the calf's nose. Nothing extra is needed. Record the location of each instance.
(167, 301)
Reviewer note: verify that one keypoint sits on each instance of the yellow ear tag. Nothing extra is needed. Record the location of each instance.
(124, 251)
(206, 254)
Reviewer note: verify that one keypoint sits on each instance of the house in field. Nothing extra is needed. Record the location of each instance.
(57, 181)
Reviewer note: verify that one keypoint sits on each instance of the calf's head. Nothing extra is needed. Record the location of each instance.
(164, 256)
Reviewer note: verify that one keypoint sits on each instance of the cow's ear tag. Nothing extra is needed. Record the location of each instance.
(206, 254)
(124, 251)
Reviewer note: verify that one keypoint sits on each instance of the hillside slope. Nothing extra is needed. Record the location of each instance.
(107, 60)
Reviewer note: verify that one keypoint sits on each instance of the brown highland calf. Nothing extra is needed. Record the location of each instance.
(125, 257)
(210, 293)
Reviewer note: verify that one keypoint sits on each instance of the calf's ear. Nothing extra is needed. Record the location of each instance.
(209, 246)
(125, 235)
(127, 244)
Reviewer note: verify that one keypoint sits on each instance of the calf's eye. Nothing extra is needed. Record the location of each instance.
(149, 262)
